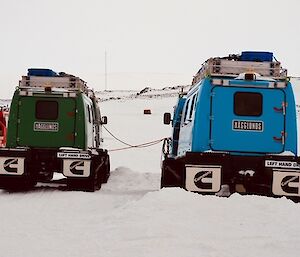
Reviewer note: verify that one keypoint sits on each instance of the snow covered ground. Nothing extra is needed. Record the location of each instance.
(131, 217)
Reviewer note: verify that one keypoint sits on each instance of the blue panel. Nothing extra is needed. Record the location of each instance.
(257, 56)
(178, 110)
(200, 141)
(242, 83)
(41, 72)
(291, 123)
(261, 131)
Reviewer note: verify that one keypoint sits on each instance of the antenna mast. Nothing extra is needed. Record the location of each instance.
(105, 75)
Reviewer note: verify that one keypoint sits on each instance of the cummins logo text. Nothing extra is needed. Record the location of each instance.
(11, 165)
(286, 183)
(203, 178)
(76, 168)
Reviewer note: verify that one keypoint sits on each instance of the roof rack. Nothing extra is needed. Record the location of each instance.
(64, 80)
(232, 66)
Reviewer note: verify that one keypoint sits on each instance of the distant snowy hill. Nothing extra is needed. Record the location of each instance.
(142, 94)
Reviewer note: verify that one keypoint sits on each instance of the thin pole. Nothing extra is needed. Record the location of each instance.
(105, 83)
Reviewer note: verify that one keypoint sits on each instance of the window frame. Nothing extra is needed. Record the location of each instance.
(89, 113)
(38, 115)
(247, 112)
(193, 105)
(186, 110)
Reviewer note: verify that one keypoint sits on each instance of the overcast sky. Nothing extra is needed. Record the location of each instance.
(152, 43)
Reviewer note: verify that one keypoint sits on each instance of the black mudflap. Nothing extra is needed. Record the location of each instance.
(15, 170)
(84, 184)
(172, 173)
(87, 175)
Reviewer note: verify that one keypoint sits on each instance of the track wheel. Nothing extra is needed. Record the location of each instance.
(106, 172)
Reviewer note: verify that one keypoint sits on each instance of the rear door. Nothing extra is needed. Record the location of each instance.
(247, 119)
(46, 122)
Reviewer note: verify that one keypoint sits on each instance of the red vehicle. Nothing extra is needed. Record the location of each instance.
(3, 126)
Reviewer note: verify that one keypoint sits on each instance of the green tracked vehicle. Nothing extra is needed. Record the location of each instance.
(54, 126)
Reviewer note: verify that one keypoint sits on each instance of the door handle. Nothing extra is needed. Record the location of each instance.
(280, 139)
(281, 109)
(276, 109)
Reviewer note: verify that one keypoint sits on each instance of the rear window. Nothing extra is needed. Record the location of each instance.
(247, 104)
(186, 110)
(46, 110)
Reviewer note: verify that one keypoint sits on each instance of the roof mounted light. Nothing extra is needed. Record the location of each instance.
(48, 89)
(250, 76)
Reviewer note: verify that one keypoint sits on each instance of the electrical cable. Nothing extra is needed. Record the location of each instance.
(121, 141)
(129, 146)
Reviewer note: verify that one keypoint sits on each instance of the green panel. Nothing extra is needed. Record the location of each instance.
(80, 139)
(58, 132)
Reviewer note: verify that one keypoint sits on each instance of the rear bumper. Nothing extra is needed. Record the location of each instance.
(264, 175)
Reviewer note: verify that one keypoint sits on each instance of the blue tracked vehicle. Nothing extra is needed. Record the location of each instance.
(235, 130)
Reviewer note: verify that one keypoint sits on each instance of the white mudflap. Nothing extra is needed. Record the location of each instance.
(286, 182)
(12, 165)
(76, 168)
(203, 178)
